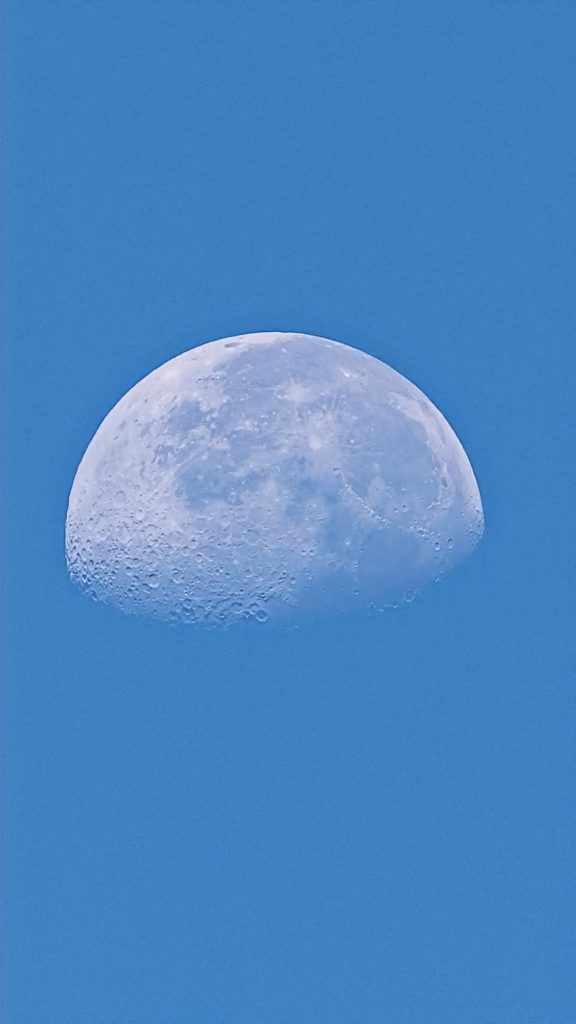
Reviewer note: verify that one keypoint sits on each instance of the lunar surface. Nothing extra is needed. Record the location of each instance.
(270, 477)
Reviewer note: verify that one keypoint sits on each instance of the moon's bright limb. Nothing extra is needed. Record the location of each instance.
(265, 476)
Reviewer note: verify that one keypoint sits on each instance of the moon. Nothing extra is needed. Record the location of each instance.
(270, 477)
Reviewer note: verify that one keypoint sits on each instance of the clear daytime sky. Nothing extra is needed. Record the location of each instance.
(364, 823)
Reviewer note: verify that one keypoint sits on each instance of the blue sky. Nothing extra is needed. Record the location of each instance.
(368, 824)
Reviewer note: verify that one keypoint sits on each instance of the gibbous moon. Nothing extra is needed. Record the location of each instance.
(270, 476)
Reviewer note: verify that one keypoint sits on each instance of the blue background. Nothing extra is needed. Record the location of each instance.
(364, 824)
